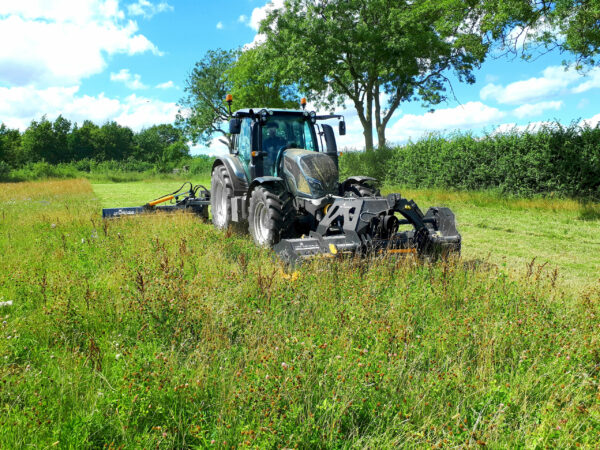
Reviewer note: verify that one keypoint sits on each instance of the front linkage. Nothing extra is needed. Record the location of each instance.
(369, 225)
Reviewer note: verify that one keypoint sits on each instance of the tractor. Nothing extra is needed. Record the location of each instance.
(280, 182)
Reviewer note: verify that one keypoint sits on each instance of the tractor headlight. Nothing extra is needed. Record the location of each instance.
(313, 117)
(316, 186)
(264, 115)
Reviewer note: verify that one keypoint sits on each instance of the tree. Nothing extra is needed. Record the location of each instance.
(10, 146)
(528, 27)
(38, 141)
(83, 141)
(114, 142)
(161, 143)
(368, 51)
(254, 83)
(204, 112)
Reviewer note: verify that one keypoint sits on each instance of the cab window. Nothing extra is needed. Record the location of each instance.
(244, 140)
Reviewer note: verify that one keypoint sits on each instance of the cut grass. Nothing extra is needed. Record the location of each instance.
(158, 331)
(564, 234)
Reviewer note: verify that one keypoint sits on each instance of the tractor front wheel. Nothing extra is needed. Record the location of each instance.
(270, 215)
(221, 191)
(361, 190)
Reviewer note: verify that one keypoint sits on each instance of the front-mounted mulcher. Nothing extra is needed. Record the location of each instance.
(280, 183)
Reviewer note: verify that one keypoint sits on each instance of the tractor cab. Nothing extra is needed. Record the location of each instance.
(288, 144)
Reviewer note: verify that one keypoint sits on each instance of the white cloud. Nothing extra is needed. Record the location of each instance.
(132, 81)
(554, 80)
(19, 105)
(592, 122)
(258, 15)
(531, 127)
(166, 85)
(261, 13)
(243, 19)
(147, 9)
(467, 116)
(535, 109)
(219, 25)
(592, 80)
(61, 42)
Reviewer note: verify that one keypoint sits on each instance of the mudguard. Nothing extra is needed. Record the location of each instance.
(235, 171)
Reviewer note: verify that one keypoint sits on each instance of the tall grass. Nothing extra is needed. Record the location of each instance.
(159, 331)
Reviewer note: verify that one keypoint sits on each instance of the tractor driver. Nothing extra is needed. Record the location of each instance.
(272, 143)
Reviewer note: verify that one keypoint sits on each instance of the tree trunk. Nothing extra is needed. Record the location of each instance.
(368, 123)
(380, 137)
(368, 134)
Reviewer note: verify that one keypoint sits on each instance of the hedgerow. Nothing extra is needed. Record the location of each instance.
(554, 160)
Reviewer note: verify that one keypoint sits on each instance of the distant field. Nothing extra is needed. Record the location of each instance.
(564, 234)
(158, 331)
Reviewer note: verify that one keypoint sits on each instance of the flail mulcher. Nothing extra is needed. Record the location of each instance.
(280, 182)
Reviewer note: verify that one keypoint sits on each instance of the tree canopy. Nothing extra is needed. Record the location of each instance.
(246, 75)
(528, 27)
(62, 142)
(376, 53)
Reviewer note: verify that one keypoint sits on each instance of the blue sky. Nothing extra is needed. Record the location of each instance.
(128, 61)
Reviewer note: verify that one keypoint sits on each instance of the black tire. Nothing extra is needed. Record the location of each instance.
(221, 193)
(270, 215)
(361, 190)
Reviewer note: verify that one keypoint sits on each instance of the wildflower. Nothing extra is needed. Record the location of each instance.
(7, 303)
(284, 366)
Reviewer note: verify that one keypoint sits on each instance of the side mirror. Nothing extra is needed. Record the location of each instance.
(342, 129)
(235, 125)
(330, 143)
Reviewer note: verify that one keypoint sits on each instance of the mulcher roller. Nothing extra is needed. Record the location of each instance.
(370, 225)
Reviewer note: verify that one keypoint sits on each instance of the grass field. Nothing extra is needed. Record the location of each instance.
(563, 234)
(159, 331)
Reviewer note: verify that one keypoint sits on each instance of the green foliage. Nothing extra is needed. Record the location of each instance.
(84, 141)
(359, 50)
(523, 27)
(159, 331)
(114, 142)
(10, 144)
(47, 141)
(4, 171)
(556, 160)
(42, 170)
(254, 83)
(204, 109)
(160, 148)
(246, 75)
(201, 165)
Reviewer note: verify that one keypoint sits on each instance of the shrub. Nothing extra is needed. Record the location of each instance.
(556, 160)
(4, 171)
(200, 165)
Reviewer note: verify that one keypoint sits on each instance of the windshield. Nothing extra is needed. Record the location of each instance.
(291, 131)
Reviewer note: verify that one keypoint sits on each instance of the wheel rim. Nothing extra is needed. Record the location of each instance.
(261, 219)
(220, 205)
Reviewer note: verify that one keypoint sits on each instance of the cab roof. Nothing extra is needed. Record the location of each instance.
(253, 112)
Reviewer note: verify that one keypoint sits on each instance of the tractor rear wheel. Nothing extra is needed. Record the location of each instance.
(270, 215)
